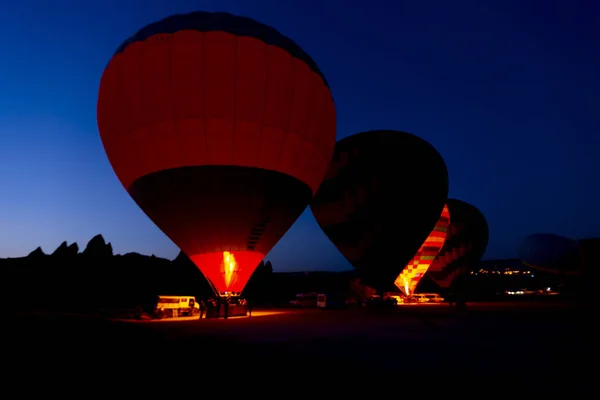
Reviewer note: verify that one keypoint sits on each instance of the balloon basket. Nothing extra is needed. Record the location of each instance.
(228, 306)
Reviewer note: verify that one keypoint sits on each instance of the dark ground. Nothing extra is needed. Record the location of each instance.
(489, 349)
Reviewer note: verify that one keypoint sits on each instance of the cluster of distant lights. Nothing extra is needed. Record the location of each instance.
(504, 272)
(518, 272)
(529, 292)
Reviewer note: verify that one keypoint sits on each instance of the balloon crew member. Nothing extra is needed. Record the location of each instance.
(202, 308)
(226, 309)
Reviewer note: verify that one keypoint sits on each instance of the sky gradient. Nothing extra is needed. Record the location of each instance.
(506, 90)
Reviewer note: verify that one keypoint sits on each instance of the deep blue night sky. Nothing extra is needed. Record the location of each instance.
(506, 90)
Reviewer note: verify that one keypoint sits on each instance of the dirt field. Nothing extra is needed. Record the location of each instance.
(517, 347)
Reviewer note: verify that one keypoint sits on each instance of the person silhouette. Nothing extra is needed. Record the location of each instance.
(202, 308)
(226, 309)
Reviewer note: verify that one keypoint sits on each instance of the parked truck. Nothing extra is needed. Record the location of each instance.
(176, 306)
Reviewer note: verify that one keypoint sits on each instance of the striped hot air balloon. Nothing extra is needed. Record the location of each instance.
(464, 246)
(411, 275)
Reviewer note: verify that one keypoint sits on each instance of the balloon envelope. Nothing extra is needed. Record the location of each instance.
(590, 251)
(465, 243)
(551, 253)
(382, 195)
(411, 275)
(221, 129)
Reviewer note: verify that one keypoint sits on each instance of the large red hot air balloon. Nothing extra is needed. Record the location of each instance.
(382, 196)
(221, 129)
(411, 275)
(465, 243)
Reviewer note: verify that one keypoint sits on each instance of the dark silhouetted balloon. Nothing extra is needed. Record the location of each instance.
(465, 243)
(382, 196)
(590, 252)
(221, 129)
(411, 275)
(551, 253)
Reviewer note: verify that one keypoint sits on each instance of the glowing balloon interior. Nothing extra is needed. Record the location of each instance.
(234, 271)
(465, 244)
(411, 275)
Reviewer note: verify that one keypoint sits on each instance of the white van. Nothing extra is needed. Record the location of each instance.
(305, 300)
(418, 298)
(433, 297)
(427, 298)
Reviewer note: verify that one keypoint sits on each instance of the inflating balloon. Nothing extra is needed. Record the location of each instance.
(221, 129)
(382, 196)
(411, 275)
(465, 243)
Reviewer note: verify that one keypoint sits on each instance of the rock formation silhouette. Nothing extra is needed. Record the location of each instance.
(94, 279)
(64, 251)
(97, 247)
(37, 253)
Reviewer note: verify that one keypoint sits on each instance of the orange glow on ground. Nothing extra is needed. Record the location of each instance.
(254, 315)
(228, 271)
(410, 276)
